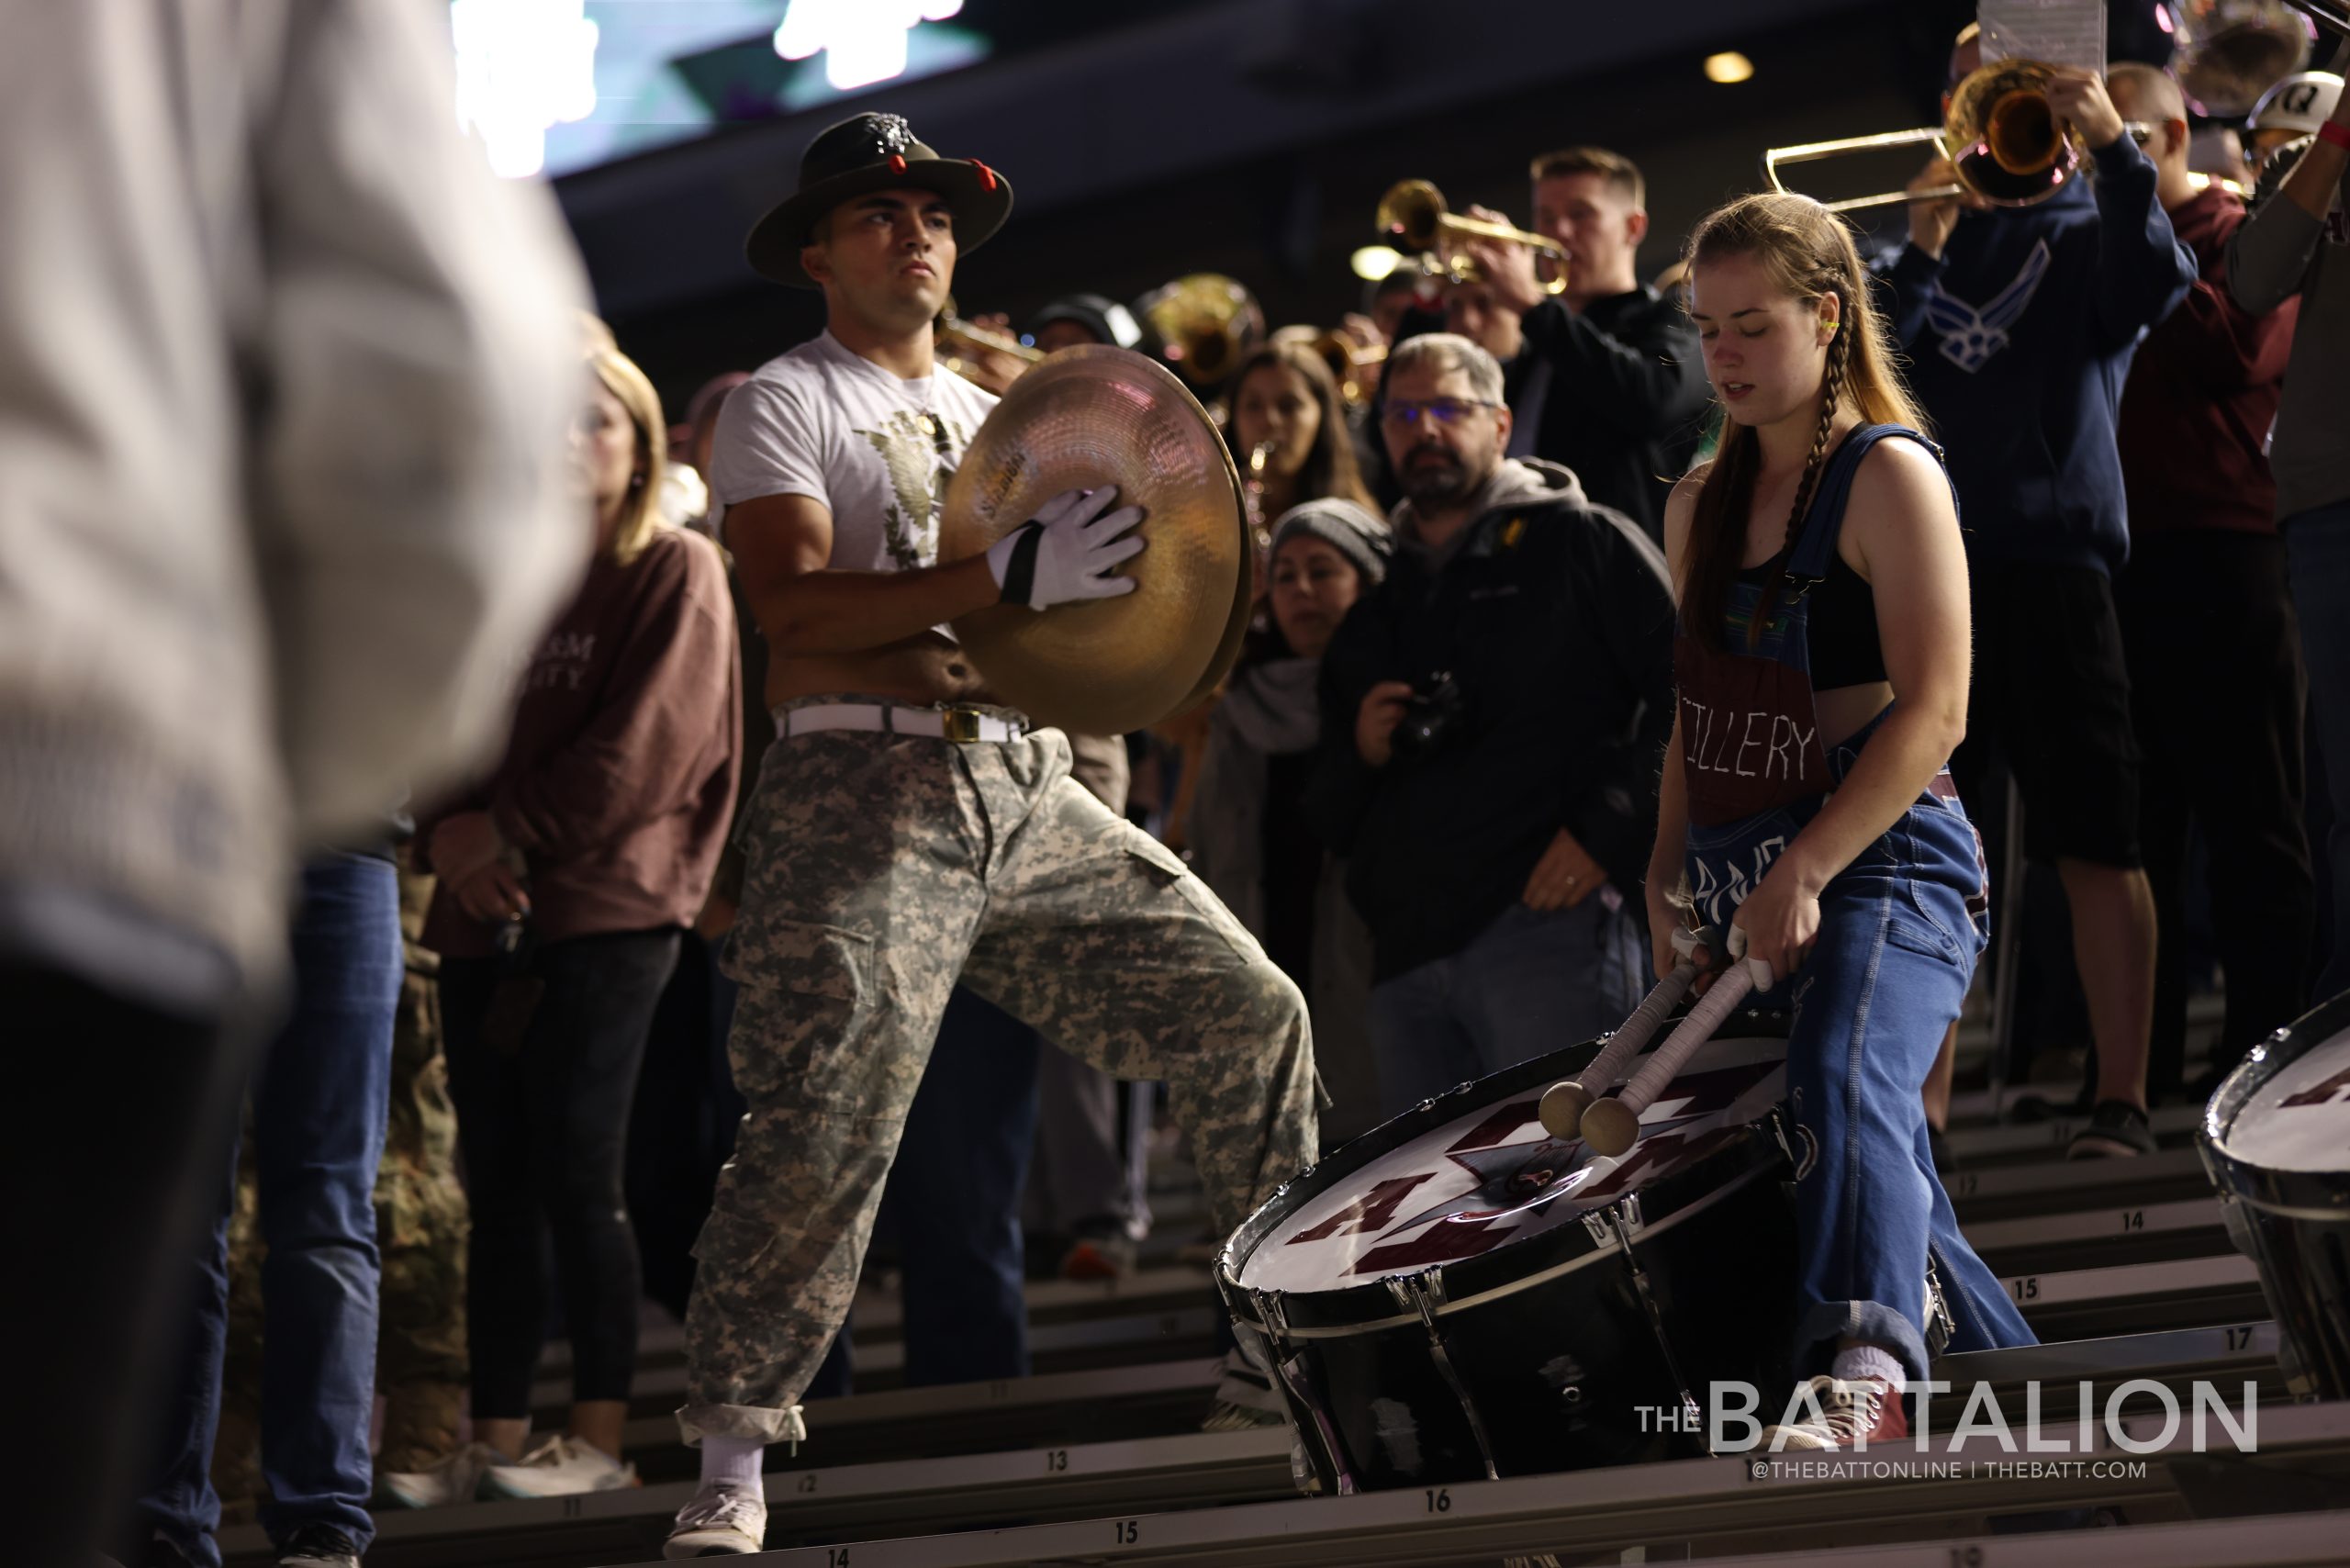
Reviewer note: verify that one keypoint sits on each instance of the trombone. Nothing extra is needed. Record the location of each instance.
(1412, 213)
(956, 332)
(2003, 139)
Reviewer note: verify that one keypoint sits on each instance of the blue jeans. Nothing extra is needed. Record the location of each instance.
(2317, 550)
(1882, 983)
(1529, 984)
(319, 1099)
(1900, 929)
(953, 1204)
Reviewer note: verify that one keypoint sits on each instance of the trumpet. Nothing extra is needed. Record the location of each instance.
(1349, 360)
(1412, 213)
(2002, 138)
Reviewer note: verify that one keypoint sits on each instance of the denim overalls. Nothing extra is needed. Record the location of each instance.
(1899, 931)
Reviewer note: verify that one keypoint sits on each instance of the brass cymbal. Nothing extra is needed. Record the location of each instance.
(1244, 606)
(1089, 416)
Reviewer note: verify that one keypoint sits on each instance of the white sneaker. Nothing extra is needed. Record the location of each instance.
(454, 1479)
(1244, 1398)
(559, 1467)
(722, 1520)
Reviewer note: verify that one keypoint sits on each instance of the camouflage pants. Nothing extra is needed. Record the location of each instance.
(421, 1222)
(880, 870)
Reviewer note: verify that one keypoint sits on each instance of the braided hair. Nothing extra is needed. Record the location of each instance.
(1810, 253)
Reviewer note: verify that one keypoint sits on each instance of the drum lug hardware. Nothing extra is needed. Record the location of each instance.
(1594, 1221)
(1940, 1324)
(1628, 1212)
(1655, 1316)
(1424, 1294)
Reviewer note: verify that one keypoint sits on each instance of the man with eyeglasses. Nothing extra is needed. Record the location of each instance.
(1493, 715)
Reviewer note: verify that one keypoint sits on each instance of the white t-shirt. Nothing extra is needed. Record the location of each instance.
(824, 422)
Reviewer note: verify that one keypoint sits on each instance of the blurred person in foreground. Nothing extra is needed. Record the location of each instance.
(2298, 242)
(2207, 619)
(287, 374)
(1492, 718)
(565, 879)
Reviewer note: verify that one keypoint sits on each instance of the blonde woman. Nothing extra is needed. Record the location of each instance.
(565, 879)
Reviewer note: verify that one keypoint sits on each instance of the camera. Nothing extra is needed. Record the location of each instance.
(1434, 716)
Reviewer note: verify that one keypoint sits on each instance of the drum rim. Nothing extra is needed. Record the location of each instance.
(1574, 1241)
(2316, 1195)
(1486, 1297)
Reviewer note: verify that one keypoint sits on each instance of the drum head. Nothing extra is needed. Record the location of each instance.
(1476, 1172)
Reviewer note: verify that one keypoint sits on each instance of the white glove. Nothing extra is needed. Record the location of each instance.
(1064, 553)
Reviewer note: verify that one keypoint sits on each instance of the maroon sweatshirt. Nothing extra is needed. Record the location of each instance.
(619, 778)
(2202, 395)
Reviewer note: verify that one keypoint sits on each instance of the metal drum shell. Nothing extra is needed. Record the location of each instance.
(2294, 1224)
(1087, 417)
(1559, 1368)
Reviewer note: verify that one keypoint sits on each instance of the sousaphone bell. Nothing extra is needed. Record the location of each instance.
(1088, 416)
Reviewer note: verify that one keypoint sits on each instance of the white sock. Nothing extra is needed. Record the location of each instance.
(735, 1461)
(1851, 1366)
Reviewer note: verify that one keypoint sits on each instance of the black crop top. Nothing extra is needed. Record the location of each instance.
(1841, 629)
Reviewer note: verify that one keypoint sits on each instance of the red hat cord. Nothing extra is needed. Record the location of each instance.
(897, 163)
(987, 175)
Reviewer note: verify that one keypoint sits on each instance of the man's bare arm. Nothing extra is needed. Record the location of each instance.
(781, 545)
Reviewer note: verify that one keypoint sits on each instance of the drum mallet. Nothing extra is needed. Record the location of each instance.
(1564, 1102)
(1611, 1126)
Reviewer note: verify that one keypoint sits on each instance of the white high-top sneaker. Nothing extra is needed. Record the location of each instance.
(559, 1467)
(1245, 1395)
(722, 1520)
(454, 1479)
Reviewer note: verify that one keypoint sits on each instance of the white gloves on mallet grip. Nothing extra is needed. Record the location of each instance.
(1066, 552)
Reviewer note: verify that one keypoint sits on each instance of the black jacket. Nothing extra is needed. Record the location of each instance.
(1554, 618)
(1624, 403)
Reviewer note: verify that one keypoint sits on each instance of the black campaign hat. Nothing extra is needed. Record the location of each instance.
(873, 152)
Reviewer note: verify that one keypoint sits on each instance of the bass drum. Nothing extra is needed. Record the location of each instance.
(1458, 1295)
(2276, 1140)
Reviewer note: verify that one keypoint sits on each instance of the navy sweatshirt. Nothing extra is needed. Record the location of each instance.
(2019, 339)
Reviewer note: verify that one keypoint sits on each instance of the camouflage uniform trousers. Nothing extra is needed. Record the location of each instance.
(421, 1224)
(882, 870)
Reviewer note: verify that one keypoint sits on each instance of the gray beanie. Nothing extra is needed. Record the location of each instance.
(1355, 533)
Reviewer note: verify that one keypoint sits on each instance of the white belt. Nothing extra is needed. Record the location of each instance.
(963, 725)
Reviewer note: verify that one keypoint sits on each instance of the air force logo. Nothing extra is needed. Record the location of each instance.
(1971, 336)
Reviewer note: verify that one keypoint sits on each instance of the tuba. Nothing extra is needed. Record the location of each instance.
(1204, 323)
(2229, 53)
(2002, 138)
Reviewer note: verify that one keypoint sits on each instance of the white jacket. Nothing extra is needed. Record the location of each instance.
(284, 380)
